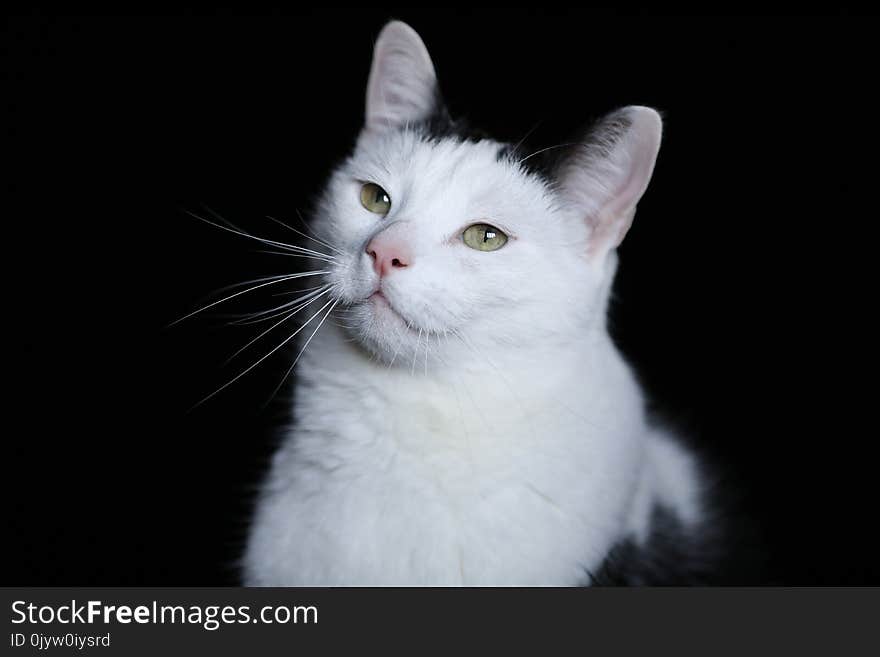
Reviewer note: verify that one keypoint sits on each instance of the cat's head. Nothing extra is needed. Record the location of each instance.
(441, 238)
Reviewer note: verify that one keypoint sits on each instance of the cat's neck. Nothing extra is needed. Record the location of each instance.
(583, 381)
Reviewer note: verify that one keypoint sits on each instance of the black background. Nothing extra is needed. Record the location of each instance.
(734, 298)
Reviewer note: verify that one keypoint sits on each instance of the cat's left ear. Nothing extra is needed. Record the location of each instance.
(608, 172)
(402, 88)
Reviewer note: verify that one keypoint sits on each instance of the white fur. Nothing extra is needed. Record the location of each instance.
(485, 430)
(402, 79)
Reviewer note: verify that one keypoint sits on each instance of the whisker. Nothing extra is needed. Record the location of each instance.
(308, 230)
(303, 249)
(240, 230)
(235, 231)
(308, 237)
(278, 323)
(289, 292)
(265, 315)
(253, 280)
(416, 352)
(396, 351)
(298, 255)
(251, 318)
(302, 351)
(571, 143)
(427, 341)
(526, 136)
(284, 342)
(273, 315)
(250, 289)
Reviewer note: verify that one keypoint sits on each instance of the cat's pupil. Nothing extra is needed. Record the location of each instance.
(488, 235)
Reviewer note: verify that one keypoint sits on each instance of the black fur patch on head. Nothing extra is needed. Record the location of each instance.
(547, 161)
(541, 161)
(537, 161)
(440, 125)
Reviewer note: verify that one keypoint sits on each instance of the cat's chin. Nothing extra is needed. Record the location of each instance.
(388, 320)
(386, 332)
(381, 306)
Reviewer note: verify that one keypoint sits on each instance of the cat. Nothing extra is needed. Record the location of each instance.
(464, 418)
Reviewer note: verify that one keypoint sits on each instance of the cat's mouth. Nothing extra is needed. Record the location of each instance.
(382, 304)
(383, 307)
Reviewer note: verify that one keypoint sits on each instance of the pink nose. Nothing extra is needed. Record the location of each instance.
(388, 252)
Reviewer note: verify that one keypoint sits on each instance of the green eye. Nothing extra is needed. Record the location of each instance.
(375, 199)
(484, 237)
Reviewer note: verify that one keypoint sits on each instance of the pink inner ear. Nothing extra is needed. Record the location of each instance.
(402, 84)
(609, 230)
(607, 181)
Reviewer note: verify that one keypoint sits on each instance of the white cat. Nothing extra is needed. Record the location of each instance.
(464, 418)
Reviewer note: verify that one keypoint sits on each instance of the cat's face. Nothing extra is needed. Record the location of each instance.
(442, 242)
(443, 287)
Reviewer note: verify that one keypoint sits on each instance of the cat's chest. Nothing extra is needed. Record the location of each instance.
(445, 487)
(445, 517)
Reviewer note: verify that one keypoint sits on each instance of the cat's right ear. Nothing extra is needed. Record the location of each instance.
(402, 88)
